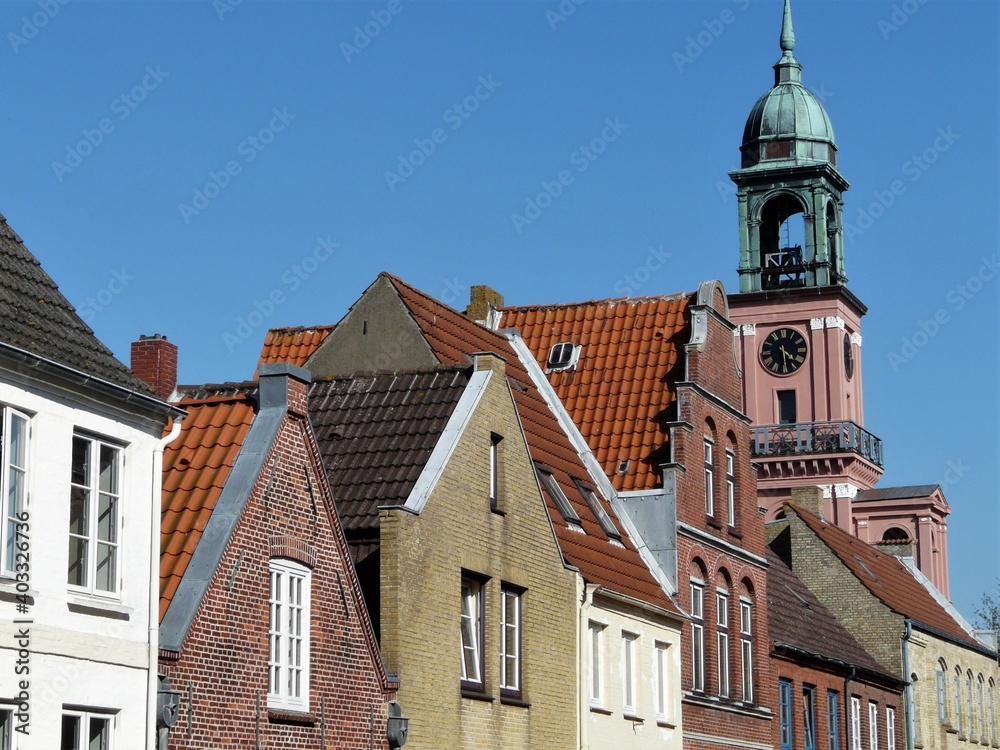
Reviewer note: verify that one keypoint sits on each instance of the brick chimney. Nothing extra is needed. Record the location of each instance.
(810, 499)
(154, 360)
(482, 301)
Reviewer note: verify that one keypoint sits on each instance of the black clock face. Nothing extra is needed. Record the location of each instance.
(783, 351)
(848, 356)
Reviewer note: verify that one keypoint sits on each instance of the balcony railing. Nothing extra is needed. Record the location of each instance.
(805, 438)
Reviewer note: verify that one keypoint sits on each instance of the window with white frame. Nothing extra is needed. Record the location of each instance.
(730, 489)
(629, 645)
(472, 633)
(697, 636)
(95, 515)
(958, 699)
(510, 645)
(746, 647)
(809, 717)
(660, 655)
(982, 713)
(6, 728)
(709, 479)
(890, 728)
(722, 634)
(942, 698)
(596, 670)
(288, 664)
(872, 725)
(495, 441)
(969, 715)
(84, 730)
(855, 723)
(13, 481)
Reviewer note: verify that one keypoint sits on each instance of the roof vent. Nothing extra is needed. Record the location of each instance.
(563, 356)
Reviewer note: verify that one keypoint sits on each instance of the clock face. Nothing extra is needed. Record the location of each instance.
(848, 356)
(783, 351)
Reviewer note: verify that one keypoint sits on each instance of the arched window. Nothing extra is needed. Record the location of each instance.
(722, 631)
(709, 449)
(697, 626)
(895, 535)
(942, 694)
(782, 243)
(746, 640)
(731, 480)
(980, 702)
(990, 698)
(958, 699)
(288, 685)
(969, 705)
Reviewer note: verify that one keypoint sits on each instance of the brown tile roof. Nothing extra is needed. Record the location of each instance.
(795, 617)
(897, 493)
(292, 344)
(36, 317)
(376, 432)
(885, 577)
(622, 387)
(454, 337)
(195, 468)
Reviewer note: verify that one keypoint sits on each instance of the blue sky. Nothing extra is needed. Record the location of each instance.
(262, 151)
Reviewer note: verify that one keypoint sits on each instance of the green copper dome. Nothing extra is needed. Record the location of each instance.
(788, 124)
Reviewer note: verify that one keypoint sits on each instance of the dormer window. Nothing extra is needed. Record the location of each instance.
(563, 356)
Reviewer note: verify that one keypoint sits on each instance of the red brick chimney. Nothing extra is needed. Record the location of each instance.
(154, 360)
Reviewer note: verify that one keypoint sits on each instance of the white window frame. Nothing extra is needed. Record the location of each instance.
(730, 488)
(855, 723)
(495, 441)
(970, 704)
(942, 697)
(13, 481)
(890, 728)
(595, 676)
(722, 635)
(660, 662)
(472, 632)
(697, 637)
(630, 645)
(85, 718)
(91, 538)
(510, 642)
(7, 733)
(289, 632)
(709, 478)
(809, 717)
(958, 700)
(746, 648)
(872, 725)
(982, 712)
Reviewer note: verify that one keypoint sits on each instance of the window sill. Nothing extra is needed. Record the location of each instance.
(9, 592)
(476, 695)
(633, 718)
(713, 523)
(99, 608)
(734, 533)
(290, 716)
(600, 710)
(665, 724)
(510, 700)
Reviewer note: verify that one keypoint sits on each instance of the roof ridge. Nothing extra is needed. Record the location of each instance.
(601, 301)
(296, 329)
(400, 372)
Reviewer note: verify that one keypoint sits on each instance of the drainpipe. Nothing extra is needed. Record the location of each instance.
(847, 707)
(910, 724)
(156, 491)
(583, 705)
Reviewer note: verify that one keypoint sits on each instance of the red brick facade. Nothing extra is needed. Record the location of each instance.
(222, 668)
(154, 360)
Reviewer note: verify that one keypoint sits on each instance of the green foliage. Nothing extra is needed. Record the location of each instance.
(988, 610)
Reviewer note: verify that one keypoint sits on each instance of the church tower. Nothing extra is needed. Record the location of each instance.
(798, 334)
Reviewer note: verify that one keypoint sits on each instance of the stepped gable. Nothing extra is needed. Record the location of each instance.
(454, 338)
(622, 387)
(36, 317)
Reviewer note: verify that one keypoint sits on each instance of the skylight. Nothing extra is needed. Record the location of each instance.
(563, 356)
(557, 495)
(598, 510)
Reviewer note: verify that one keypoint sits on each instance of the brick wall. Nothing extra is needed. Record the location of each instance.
(154, 360)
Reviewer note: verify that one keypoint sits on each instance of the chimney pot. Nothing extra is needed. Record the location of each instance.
(483, 300)
(154, 360)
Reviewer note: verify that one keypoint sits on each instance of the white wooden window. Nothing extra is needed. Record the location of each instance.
(890, 728)
(510, 646)
(6, 729)
(596, 668)
(660, 654)
(722, 632)
(730, 489)
(83, 730)
(629, 644)
(288, 683)
(472, 633)
(95, 515)
(746, 648)
(855, 723)
(13, 480)
(709, 479)
(697, 637)
(872, 725)
(495, 471)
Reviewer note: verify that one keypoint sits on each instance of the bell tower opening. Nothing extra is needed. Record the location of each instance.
(782, 243)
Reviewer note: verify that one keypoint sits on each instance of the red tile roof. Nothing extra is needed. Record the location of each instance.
(195, 468)
(453, 338)
(292, 344)
(885, 577)
(620, 390)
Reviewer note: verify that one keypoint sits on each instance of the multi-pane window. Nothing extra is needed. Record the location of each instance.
(890, 728)
(629, 645)
(832, 722)
(472, 633)
(607, 525)
(969, 721)
(86, 731)
(709, 479)
(785, 713)
(510, 645)
(958, 699)
(993, 721)
(722, 632)
(288, 636)
(6, 728)
(809, 717)
(495, 471)
(942, 699)
(596, 670)
(746, 648)
(94, 515)
(730, 489)
(13, 481)
(697, 637)
(982, 714)
(872, 725)
(661, 665)
(558, 497)
(855, 723)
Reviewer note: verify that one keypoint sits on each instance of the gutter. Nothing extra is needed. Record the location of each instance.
(152, 688)
(910, 739)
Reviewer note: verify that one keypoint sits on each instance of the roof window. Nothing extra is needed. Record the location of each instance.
(598, 510)
(557, 496)
(563, 356)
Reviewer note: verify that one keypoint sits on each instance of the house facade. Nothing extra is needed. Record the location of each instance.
(80, 440)
(265, 638)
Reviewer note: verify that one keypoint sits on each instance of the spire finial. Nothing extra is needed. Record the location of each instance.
(787, 33)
